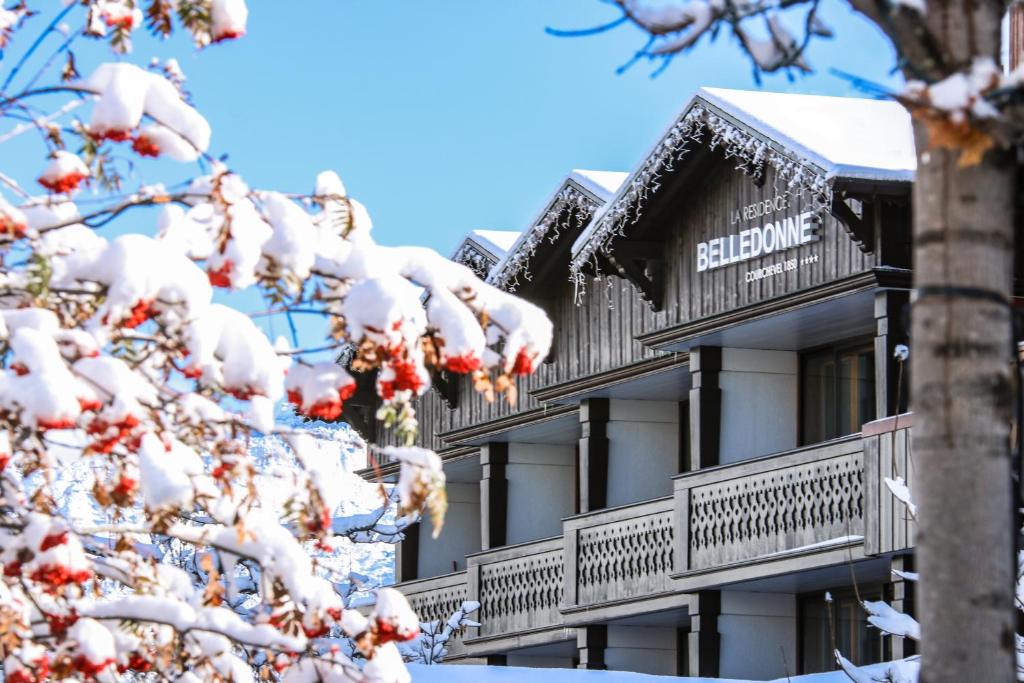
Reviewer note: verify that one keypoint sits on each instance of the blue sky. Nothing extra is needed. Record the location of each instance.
(448, 115)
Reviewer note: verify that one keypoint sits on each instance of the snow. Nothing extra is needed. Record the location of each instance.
(229, 19)
(127, 92)
(472, 673)
(498, 242)
(883, 617)
(166, 479)
(847, 136)
(898, 487)
(64, 172)
(604, 184)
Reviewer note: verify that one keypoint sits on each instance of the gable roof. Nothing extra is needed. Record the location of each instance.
(582, 192)
(847, 136)
(481, 250)
(809, 140)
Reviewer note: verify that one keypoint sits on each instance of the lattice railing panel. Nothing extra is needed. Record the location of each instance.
(521, 593)
(776, 511)
(625, 559)
(438, 604)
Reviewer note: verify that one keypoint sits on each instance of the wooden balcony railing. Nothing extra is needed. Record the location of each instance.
(519, 587)
(808, 507)
(436, 599)
(618, 554)
(793, 502)
(889, 527)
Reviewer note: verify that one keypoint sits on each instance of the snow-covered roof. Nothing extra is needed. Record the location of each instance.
(604, 184)
(582, 191)
(849, 137)
(481, 250)
(810, 140)
(498, 242)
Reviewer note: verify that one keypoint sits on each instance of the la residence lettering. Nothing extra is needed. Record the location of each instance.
(786, 233)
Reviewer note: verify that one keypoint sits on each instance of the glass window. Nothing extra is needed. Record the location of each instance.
(838, 392)
(844, 620)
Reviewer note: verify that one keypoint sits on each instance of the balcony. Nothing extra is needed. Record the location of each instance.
(519, 588)
(781, 509)
(813, 507)
(618, 555)
(436, 599)
(887, 453)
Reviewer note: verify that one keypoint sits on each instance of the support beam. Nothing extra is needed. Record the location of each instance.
(591, 642)
(407, 555)
(493, 496)
(705, 406)
(593, 469)
(704, 641)
(890, 306)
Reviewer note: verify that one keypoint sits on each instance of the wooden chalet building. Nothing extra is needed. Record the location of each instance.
(702, 455)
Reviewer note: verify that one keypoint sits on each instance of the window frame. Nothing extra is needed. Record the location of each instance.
(865, 343)
(870, 591)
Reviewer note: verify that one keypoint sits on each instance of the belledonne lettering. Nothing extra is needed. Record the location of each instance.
(786, 233)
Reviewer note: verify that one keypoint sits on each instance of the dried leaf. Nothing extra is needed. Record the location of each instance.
(970, 142)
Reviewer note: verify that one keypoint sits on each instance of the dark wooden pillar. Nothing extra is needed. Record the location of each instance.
(705, 406)
(705, 643)
(889, 332)
(497, 660)
(407, 555)
(593, 459)
(683, 460)
(591, 642)
(902, 600)
(493, 496)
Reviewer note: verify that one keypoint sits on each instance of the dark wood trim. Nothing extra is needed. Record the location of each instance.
(591, 642)
(625, 373)
(704, 641)
(861, 229)
(683, 457)
(593, 469)
(505, 424)
(390, 469)
(897, 278)
(705, 406)
(889, 308)
(493, 495)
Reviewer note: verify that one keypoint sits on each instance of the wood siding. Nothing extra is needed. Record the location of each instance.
(598, 334)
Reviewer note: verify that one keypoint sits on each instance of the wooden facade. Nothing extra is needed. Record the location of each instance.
(799, 515)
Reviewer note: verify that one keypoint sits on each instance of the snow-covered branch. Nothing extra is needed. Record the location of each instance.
(116, 357)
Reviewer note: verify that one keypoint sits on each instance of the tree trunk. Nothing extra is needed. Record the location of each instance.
(961, 378)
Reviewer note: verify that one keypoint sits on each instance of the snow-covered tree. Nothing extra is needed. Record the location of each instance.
(117, 350)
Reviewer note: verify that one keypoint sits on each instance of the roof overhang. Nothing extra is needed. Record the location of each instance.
(755, 130)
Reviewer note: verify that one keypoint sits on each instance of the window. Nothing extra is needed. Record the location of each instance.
(838, 392)
(858, 642)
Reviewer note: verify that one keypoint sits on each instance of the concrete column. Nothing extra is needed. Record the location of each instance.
(591, 642)
(705, 406)
(593, 458)
(704, 640)
(493, 496)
